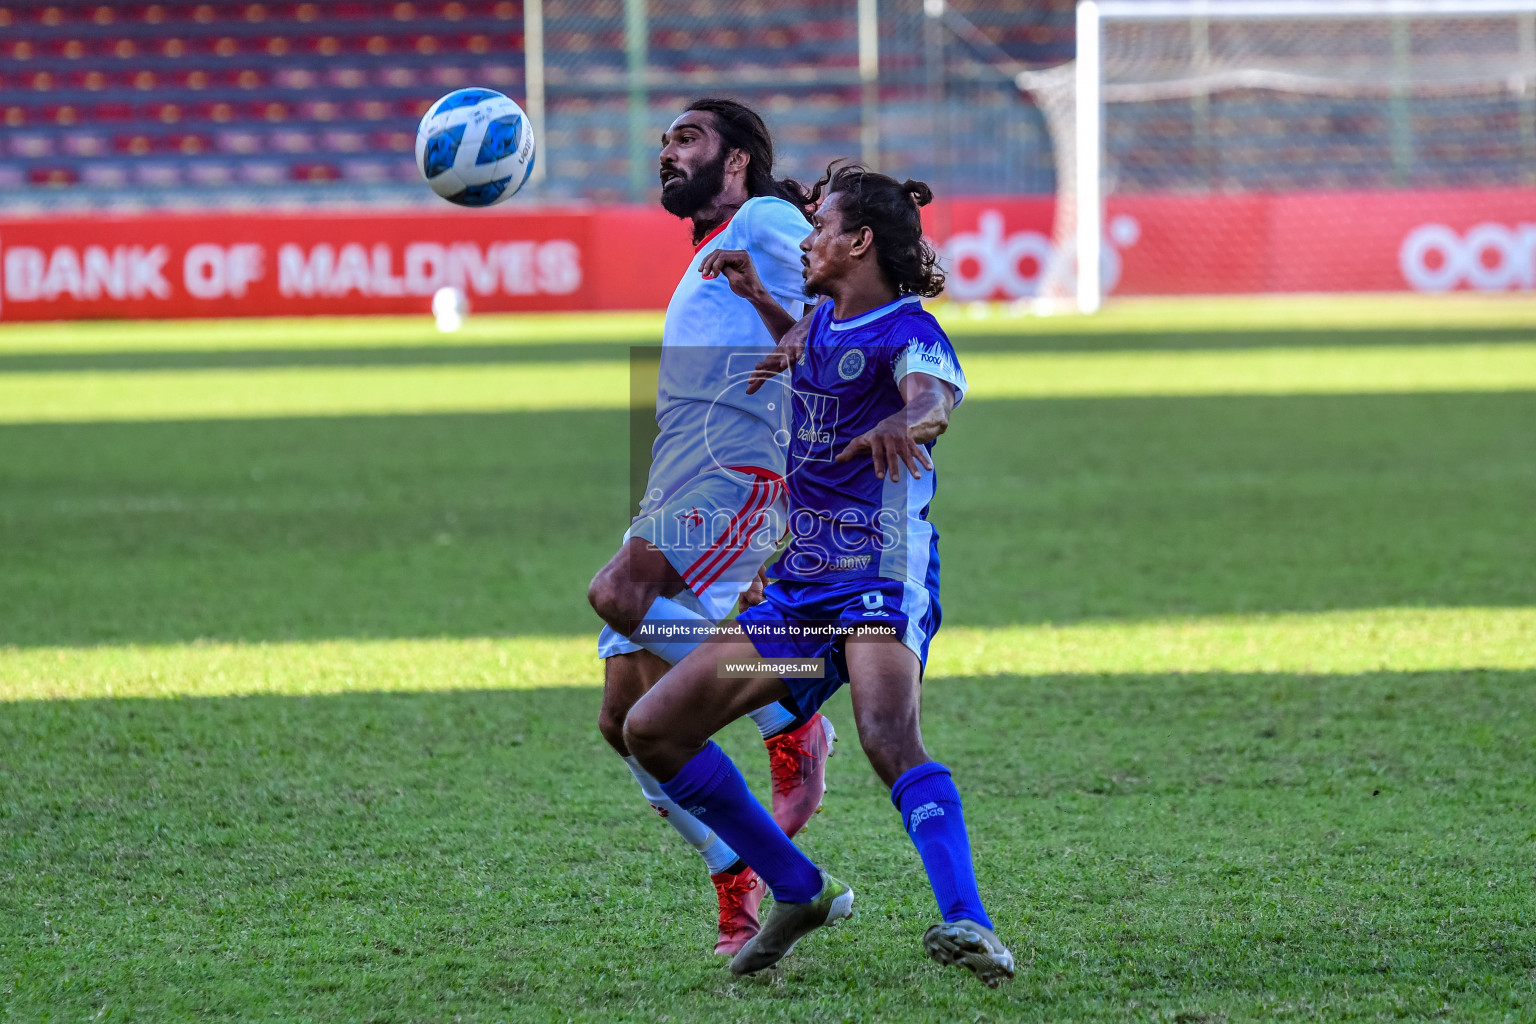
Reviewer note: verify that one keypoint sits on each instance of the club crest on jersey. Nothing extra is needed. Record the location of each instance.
(690, 517)
(851, 365)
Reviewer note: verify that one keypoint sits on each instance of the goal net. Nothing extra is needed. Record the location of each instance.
(1241, 146)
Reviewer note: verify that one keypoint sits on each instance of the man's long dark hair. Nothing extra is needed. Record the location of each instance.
(889, 208)
(740, 127)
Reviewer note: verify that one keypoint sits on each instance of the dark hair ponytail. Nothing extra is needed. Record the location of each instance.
(741, 128)
(921, 194)
(889, 208)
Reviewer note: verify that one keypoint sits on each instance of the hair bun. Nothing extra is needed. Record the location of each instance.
(921, 194)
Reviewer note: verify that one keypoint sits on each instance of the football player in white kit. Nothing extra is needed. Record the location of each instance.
(714, 506)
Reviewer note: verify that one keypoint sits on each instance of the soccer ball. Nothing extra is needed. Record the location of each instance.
(475, 147)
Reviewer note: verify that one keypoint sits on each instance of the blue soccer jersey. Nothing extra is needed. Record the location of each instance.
(846, 523)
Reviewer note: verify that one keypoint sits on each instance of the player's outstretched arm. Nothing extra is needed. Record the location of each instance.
(736, 265)
(783, 355)
(900, 436)
(741, 275)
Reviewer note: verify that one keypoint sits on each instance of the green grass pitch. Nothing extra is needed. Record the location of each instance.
(1237, 676)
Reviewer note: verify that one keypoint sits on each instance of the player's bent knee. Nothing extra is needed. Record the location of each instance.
(892, 747)
(600, 592)
(607, 599)
(617, 602)
(610, 722)
(641, 735)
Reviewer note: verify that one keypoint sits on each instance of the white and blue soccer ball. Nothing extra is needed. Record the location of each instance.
(475, 147)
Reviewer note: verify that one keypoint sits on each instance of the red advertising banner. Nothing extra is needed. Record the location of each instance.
(630, 257)
(1426, 241)
(336, 263)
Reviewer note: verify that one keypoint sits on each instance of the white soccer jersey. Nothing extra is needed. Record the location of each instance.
(714, 500)
(712, 340)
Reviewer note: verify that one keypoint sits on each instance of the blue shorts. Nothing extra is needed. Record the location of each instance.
(814, 620)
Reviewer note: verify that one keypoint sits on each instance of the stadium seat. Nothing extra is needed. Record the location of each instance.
(396, 141)
(346, 142)
(112, 113)
(292, 142)
(157, 175)
(317, 172)
(133, 144)
(85, 144)
(263, 173)
(367, 171)
(219, 112)
(211, 175)
(105, 175)
(29, 145)
(241, 143)
(53, 175)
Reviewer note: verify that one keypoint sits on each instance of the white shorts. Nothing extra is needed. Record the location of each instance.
(716, 531)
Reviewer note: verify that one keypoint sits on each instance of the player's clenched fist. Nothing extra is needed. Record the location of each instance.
(740, 274)
(753, 595)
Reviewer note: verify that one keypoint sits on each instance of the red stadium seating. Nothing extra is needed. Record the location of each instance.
(219, 94)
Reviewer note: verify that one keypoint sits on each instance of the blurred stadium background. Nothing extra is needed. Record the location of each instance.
(166, 105)
(163, 105)
(1279, 153)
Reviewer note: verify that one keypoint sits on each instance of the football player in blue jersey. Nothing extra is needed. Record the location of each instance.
(873, 386)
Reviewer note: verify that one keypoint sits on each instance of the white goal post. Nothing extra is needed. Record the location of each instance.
(1081, 141)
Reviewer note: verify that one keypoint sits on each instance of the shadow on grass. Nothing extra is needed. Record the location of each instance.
(1227, 845)
(475, 525)
(419, 355)
(1032, 341)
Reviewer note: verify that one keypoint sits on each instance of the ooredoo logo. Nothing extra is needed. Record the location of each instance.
(1489, 257)
(981, 264)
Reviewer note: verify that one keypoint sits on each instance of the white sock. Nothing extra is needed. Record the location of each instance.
(717, 856)
(670, 630)
(772, 719)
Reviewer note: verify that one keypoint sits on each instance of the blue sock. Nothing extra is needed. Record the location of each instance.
(712, 790)
(930, 808)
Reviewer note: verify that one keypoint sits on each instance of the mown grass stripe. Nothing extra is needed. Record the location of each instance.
(1314, 643)
(1275, 371)
(1143, 316)
(109, 396)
